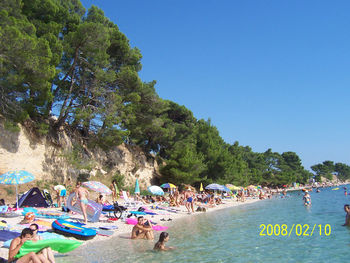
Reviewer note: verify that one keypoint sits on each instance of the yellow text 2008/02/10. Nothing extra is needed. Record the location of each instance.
(297, 229)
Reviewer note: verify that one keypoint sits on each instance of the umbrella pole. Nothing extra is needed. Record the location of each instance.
(17, 196)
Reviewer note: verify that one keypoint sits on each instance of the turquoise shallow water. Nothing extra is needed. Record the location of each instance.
(232, 235)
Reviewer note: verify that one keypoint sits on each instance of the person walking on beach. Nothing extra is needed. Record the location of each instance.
(82, 195)
(160, 245)
(347, 216)
(142, 230)
(115, 191)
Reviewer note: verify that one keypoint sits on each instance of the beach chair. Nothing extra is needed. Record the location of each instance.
(129, 202)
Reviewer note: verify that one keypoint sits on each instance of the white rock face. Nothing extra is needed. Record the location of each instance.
(48, 161)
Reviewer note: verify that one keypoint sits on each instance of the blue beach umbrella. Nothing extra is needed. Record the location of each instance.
(215, 187)
(16, 178)
(226, 189)
(156, 190)
(137, 187)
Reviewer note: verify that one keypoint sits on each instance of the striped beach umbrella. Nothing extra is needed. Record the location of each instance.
(98, 187)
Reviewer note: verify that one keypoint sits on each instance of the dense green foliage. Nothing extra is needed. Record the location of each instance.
(56, 58)
(328, 168)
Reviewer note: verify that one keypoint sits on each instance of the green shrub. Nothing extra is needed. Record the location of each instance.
(9, 191)
(11, 126)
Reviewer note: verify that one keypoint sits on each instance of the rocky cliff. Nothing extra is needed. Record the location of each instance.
(68, 157)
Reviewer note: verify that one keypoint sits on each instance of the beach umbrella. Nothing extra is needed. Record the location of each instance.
(201, 188)
(215, 187)
(156, 190)
(16, 178)
(137, 187)
(233, 187)
(226, 189)
(98, 187)
(168, 185)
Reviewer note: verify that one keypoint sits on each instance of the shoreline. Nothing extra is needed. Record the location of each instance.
(124, 229)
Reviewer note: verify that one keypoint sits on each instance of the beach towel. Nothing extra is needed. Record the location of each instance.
(44, 235)
(131, 221)
(45, 214)
(6, 235)
(3, 208)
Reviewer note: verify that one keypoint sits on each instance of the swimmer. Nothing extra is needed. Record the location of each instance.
(307, 199)
(160, 245)
(347, 216)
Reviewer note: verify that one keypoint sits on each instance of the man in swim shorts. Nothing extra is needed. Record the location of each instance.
(16, 244)
(61, 194)
(82, 195)
(143, 229)
(189, 200)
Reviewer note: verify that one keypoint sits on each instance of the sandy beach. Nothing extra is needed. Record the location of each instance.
(125, 229)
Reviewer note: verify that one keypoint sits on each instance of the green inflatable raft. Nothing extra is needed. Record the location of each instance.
(59, 245)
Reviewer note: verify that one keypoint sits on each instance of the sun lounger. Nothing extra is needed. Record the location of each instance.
(128, 202)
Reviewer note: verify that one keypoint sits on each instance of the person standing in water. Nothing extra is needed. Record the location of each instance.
(82, 196)
(307, 198)
(347, 216)
(160, 245)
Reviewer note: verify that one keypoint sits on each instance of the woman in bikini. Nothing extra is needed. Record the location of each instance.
(82, 195)
(46, 252)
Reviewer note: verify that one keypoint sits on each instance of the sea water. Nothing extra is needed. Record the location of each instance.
(235, 235)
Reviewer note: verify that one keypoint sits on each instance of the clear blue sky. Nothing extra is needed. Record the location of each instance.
(269, 74)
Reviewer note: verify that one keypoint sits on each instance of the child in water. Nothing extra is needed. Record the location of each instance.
(160, 245)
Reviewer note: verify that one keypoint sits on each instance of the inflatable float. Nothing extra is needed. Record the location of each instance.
(59, 245)
(72, 229)
(132, 221)
(93, 209)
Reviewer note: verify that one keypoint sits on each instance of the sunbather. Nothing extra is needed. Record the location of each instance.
(16, 244)
(142, 230)
(46, 252)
